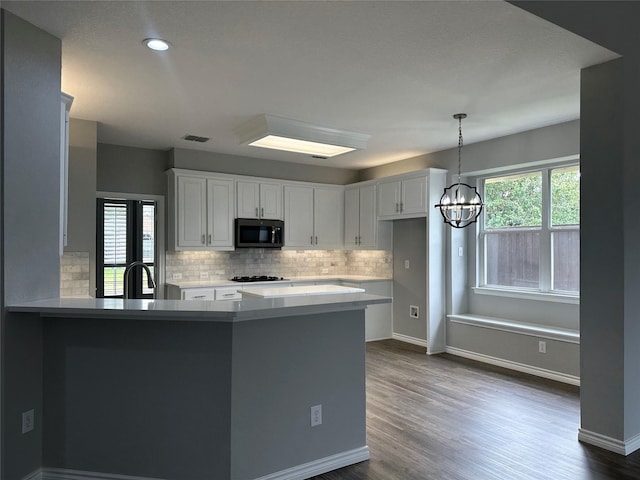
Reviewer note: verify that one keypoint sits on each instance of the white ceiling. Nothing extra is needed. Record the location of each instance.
(397, 71)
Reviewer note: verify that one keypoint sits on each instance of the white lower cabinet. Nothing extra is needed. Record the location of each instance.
(378, 318)
(313, 217)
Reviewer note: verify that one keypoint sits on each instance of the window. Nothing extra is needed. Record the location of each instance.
(530, 233)
(126, 233)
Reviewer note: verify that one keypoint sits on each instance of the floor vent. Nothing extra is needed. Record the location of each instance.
(195, 138)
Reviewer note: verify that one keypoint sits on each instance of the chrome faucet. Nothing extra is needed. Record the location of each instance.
(150, 282)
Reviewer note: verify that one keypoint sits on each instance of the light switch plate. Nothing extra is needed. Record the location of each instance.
(28, 420)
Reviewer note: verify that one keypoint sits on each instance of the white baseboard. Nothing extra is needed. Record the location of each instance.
(299, 472)
(520, 367)
(376, 339)
(35, 475)
(608, 443)
(67, 474)
(320, 466)
(408, 339)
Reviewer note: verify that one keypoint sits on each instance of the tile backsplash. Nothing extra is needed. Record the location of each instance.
(198, 266)
(74, 274)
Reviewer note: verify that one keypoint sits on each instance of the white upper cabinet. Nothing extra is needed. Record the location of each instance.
(360, 220)
(403, 198)
(200, 212)
(313, 217)
(259, 200)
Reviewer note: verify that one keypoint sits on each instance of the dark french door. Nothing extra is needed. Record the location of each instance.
(126, 233)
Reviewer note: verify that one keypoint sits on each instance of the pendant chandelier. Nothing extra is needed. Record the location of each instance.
(460, 204)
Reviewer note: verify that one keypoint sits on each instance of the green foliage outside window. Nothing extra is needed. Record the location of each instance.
(565, 196)
(516, 200)
(513, 201)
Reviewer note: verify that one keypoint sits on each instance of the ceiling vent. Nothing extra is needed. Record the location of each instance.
(195, 138)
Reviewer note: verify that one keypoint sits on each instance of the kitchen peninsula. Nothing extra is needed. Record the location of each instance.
(188, 390)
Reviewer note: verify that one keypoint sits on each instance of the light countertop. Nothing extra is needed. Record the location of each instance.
(278, 292)
(248, 308)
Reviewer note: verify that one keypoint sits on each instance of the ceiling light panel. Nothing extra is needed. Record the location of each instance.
(278, 133)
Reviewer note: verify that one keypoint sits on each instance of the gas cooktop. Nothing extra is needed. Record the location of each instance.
(256, 278)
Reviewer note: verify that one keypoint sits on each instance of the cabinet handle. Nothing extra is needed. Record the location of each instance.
(311, 239)
(262, 210)
(396, 207)
(209, 239)
(401, 206)
(316, 239)
(198, 296)
(359, 240)
(202, 241)
(257, 214)
(356, 240)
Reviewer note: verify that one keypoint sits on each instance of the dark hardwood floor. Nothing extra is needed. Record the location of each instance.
(443, 417)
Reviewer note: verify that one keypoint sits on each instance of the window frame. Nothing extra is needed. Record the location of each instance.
(546, 229)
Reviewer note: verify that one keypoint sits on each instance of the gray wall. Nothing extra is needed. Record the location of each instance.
(132, 170)
(282, 367)
(217, 162)
(149, 399)
(81, 223)
(29, 226)
(610, 279)
(410, 285)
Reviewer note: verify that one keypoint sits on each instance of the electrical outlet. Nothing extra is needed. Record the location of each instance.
(325, 270)
(542, 347)
(460, 251)
(316, 415)
(406, 264)
(204, 275)
(177, 276)
(219, 272)
(414, 311)
(28, 420)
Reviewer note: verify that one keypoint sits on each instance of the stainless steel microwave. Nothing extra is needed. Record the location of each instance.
(255, 233)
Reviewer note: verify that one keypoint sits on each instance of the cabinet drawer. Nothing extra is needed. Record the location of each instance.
(227, 294)
(199, 294)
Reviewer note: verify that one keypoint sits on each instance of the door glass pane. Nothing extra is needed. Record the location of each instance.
(513, 201)
(148, 233)
(113, 281)
(566, 260)
(513, 259)
(115, 233)
(565, 196)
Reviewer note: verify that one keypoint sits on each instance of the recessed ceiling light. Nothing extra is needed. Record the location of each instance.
(156, 44)
(267, 131)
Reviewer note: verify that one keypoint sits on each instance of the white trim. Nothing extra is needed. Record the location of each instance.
(520, 367)
(320, 466)
(408, 339)
(524, 167)
(66, 474)
(520, 328)
(608, 443)
(528, 295)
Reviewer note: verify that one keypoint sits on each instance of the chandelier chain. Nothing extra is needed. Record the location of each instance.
(460, 142)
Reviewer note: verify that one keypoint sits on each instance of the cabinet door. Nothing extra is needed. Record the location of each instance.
(248, 199)
(271, 201)
(328, 218)
(298, 216)
(389, 198)
(351, 217)
(191, 211)
(219, 213)
(368, 217)
(414, 195)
